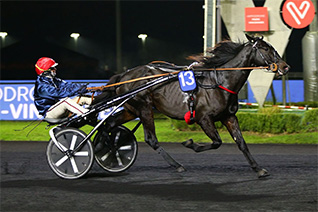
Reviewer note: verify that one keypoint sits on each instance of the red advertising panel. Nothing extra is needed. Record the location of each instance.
(298, 13)
(256, 19)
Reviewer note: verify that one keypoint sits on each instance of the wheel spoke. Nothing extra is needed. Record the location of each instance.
(105, 156)
(74, 166)
(81, 154)
(120, 163)
(117, 138)
(127, 147)
(73, 142)
(61, 161)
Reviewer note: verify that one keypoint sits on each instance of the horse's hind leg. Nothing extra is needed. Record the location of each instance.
(233, 127)
(147, 120)
(118, 119)
(210, 130)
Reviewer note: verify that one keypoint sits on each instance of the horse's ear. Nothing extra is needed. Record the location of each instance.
(260, 37)
(250, 38)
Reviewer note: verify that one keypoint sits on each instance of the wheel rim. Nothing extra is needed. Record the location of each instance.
(117, 151)
(69, 164)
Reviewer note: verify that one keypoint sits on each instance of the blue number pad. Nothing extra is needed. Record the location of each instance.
(187, 80)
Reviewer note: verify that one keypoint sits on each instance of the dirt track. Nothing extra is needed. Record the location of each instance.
(219, 180)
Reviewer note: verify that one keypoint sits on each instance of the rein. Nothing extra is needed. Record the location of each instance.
(273, 67)
(132, 80)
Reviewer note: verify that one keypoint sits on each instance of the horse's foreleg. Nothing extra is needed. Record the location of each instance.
(233, 127)
(151, 139)
(210, 130)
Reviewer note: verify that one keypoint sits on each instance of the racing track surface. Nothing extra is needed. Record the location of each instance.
(218, 180)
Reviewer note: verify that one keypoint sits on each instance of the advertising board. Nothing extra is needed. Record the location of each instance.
(16, 99)
(256, 19)
(298, 13)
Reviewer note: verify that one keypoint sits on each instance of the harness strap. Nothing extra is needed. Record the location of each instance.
(93, 93)
(216, 86)
(228, 90)
(79, 98)
(163, 62)
(191, 107)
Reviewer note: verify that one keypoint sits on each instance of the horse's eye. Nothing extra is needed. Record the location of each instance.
(265, 48)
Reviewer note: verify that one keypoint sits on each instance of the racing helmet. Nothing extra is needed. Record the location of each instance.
(44, 64)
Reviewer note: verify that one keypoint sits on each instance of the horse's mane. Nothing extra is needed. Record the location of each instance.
(220, 54)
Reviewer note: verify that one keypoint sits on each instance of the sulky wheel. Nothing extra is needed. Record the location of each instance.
(117, 150)
(63, 160)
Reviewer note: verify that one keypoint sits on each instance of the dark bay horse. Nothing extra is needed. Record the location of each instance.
(211, 105)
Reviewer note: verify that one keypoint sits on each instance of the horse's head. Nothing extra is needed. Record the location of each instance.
(266, 55)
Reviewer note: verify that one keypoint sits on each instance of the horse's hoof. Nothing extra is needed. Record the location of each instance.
(263, 173)
(181, 169)
(187, 143)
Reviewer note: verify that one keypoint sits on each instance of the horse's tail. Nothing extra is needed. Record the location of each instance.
(110, 91)
(114, 79)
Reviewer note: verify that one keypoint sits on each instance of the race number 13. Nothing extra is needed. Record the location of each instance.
(187, 80)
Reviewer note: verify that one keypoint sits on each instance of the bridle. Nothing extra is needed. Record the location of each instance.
(254, 46)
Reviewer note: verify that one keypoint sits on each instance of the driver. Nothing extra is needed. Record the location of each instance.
(52, 95)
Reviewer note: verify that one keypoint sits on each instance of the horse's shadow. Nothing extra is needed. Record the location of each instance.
(166, 188)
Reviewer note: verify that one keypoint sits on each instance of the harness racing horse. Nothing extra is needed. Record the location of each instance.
(211, 102)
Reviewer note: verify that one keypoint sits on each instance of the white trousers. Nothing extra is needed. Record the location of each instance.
(62, 108)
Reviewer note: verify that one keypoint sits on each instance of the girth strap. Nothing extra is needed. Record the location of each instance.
(215, 86)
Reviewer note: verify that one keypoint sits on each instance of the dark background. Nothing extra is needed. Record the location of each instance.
(42, 28)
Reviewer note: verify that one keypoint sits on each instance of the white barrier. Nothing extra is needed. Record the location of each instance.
(279, 106)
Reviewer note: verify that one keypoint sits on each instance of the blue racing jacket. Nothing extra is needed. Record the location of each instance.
(48, 91)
